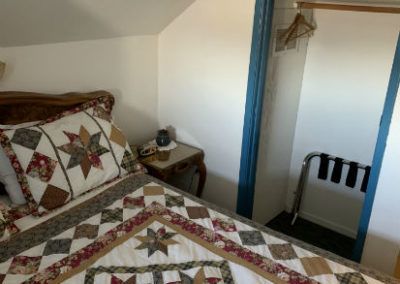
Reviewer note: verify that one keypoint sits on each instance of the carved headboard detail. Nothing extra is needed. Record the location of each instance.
(20, 107)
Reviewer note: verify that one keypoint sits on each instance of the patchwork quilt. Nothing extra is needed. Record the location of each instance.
(143, 231)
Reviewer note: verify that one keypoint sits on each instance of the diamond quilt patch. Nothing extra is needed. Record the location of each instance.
(197, 212)
(315, 266)
(128, 161)
(134, 203)
(24, 265)
(88, 231)
(53, 197)
(111, 215)
(172, 201)
(59, 246)
(351, 278)
(282, 251)
(28, 138)
(41, 167)
(226, 225)
(251, 238)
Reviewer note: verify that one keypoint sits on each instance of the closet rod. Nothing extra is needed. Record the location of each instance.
(345, 7)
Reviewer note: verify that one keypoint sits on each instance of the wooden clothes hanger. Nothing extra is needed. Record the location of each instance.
(299, 28)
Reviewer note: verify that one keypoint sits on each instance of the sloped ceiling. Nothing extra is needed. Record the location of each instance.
(27, 22)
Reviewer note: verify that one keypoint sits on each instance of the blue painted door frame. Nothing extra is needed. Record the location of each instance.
(379, 153)
(262, 29)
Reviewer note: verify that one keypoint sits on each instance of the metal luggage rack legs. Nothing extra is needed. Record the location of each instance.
(303, 180)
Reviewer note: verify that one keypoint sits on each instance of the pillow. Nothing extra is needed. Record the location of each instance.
(7, 174)
(9, 179)
(67, 155)
(7, 227)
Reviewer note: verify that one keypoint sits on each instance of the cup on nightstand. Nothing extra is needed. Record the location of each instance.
(163, 155)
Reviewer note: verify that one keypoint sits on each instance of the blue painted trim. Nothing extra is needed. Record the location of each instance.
(262, 29)
(379, 153)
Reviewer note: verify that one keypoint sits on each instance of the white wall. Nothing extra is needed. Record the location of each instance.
(345, 81)
(383, 240)
(203, 67)
(281, 100)
(125, 66)
(203, 59)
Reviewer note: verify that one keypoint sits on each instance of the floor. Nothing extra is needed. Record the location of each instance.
(313, 234)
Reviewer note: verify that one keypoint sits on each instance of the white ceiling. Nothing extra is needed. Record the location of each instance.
(26, 22)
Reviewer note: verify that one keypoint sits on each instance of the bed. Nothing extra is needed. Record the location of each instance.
(137, 229)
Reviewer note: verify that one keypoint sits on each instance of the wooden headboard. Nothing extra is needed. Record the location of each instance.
(20, 107)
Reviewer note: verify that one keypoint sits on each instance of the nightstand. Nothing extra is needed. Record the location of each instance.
(181, 159)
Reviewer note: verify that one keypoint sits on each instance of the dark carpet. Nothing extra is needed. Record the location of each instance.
(313, 234)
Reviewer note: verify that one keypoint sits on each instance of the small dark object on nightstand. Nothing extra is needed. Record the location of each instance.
(162, 138)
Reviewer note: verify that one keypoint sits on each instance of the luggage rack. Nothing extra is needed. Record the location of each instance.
(305, 168)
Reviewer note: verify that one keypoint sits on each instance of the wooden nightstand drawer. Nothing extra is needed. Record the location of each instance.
(181, 159)
(182, 167)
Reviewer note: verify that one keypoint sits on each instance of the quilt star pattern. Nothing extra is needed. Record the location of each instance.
(84, 149)
(143, 232)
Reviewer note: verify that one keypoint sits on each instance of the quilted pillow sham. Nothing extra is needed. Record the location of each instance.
(67, 155)
(7, 227)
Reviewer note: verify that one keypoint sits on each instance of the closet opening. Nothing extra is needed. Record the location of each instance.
(325, 92)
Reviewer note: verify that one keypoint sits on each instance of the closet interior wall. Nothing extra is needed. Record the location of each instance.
(281, 99)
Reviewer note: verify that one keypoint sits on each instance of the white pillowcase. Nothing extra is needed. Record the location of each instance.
(9, 179)
(7, 173)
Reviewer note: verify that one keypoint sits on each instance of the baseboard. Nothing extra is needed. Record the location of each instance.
(328, 224)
